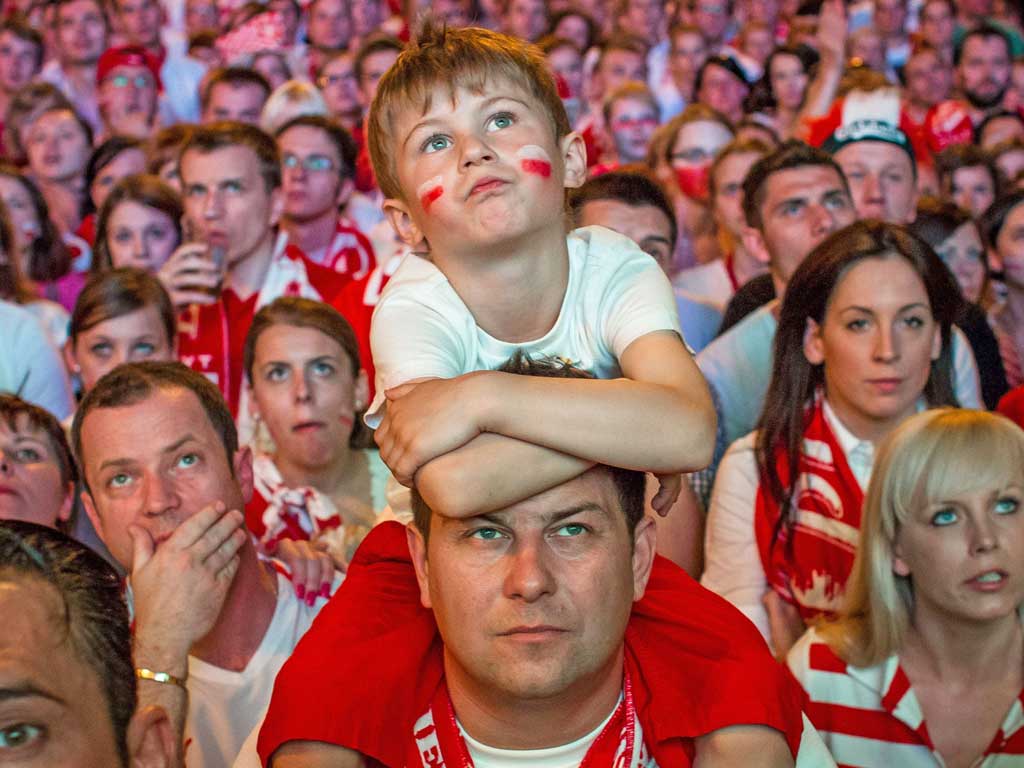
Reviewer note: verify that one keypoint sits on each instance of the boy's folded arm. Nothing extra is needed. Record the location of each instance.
(658, 418)
(475, 479)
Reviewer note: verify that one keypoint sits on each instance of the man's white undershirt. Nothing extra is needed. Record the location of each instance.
(566, 756)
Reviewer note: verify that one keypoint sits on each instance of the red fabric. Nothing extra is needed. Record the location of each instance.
(87, 230)
(1011, 405)
(350, 252)
(817, 130)
(371, 664)
(211, 338)
(810, 564)
(947, 123)
(366, 179)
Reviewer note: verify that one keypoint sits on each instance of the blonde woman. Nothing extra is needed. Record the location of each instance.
(925, 665)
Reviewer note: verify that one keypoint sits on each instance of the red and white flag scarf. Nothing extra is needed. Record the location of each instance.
(437, 741)
(809, 563)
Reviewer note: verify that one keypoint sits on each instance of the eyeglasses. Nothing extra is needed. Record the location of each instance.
(325, 80)
(122, 81)
(311, 163)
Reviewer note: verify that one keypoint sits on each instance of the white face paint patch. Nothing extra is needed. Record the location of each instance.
(535, 160)
(429, 191)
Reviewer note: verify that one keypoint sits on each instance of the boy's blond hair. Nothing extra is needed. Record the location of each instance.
(467, 58)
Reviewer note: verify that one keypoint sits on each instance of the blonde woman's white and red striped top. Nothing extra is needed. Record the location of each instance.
(870, 717)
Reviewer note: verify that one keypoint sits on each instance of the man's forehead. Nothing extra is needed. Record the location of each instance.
(160, 418)
(882, 151)
(803, 177)
(593, 492)
(224, 162)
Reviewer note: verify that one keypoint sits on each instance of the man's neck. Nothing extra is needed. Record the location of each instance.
(494, 719)
(247, 275)
(515, 292)
(312, 235)
(82, 76)
(244, 618)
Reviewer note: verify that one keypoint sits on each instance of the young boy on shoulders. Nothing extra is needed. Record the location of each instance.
(473, 152)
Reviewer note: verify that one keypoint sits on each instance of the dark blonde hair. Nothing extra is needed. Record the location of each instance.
(118, 292)
(468, 58)
(144, 189)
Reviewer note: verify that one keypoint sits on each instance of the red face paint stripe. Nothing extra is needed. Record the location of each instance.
(541, 168)
(428, 199)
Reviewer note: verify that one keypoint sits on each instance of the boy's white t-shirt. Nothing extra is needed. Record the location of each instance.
(616, 293)
(224, 707)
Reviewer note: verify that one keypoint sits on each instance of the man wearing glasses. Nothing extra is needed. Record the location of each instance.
(127, 87)
(317, 173)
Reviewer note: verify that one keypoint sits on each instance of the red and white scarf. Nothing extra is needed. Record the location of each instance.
(437, 741)
(808, 564)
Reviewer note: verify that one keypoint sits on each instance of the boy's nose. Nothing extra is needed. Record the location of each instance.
(475, 152)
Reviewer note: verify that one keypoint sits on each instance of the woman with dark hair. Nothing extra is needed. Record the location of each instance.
(955, 237)
(58, 144)
(111, 161)
(45, 260)
(863, 342)
(787, 74)
(1003, 227)
(139, 225)
(318, 481)
(36, 468)
(122, 315)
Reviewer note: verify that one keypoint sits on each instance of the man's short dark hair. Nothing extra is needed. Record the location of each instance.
(235, 77)
(791, 154)
(336, 133)
(228, 133)
(958, 156)
(374, 44)
(980, 128)
(993, 220)
(26, 33)
(133, 383)
(94, 617)
(629, 483)
(984, 30)
(630, 185)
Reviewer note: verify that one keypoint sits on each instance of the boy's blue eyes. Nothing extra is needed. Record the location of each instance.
(497, 122)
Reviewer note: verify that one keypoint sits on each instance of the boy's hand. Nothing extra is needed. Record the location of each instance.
(669, 487)
(425, 420)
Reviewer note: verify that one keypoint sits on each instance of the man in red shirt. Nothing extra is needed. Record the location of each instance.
(546, 627)
(234, 260)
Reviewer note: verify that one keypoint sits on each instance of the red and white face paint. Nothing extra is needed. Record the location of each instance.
(533, 159)
(429, 191)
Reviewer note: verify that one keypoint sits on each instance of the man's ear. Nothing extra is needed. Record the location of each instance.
(345, 190)
(151, 740)
(402, 222)
(362, 391)
(68, 504)
(574, 160)
(243, 472)
(754, 242)
(418, 551)
(276, 205)
(94, 518)
(814, 348)
(69, 355)
(645, 541)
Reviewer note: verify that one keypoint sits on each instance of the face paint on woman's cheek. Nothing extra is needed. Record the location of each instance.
(534, 160)
(346, 420)
(428, 192)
